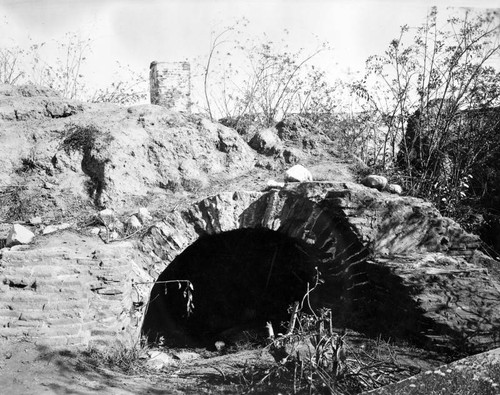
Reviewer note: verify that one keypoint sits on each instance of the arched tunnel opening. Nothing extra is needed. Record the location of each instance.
(241, 279)
(244, 278)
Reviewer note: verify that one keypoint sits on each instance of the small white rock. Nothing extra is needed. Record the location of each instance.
(20, 247)
(107, 216)
(394, 188)
(274, 184)
(49, 229)
(220, 345)
(374, 181)
(35, 221)
(298, 173)
(143, 215)
(54, 228)
(95, 231)
(111, 221)
(266, 141)
(114, 235)
(18, 234)
(186, 356)
(133, 224)
(158, 360)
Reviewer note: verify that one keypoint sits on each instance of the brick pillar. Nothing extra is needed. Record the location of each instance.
(170, 85)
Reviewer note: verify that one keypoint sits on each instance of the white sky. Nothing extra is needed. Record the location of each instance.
(138, 32)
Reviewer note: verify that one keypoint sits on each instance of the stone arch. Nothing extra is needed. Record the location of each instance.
(300, 213)
(317, 234)
(351, 229)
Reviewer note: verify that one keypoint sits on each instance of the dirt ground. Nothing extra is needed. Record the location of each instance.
(28, 368)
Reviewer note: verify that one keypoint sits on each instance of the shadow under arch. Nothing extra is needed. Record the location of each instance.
(241, 280)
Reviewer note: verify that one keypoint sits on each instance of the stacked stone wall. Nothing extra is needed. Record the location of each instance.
(72, 296)
(170, 85)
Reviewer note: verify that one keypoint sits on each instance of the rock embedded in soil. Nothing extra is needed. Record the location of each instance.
(55, 228)
(133, 224)
(394, 188)
(374, 181)
(298, 173)
(267, 142)
(19, 234)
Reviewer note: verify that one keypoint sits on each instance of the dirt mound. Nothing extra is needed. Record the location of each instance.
(61, 158)
(57, 154)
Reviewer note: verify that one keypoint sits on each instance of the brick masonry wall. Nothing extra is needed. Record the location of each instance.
(73, 294)
(170, 85)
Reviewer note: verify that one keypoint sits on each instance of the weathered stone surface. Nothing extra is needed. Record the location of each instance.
(350, 223)
(170, 85)
(267, 142)
(111, 221)
(143, 215)
(274, 184)
(479, 367)
(55, 228)
(72, 294)
(437, 298)
(19, 234)
(394, 188)
(185, 356)
(35, 221)
(293, 155)
(133, 224)
(159, 360)
(295, 128)
(298, 173)
(374, 181)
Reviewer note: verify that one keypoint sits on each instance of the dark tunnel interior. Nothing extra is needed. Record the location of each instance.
(244, 278)
(241, 279)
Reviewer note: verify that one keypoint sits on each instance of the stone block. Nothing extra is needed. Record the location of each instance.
(267, 142)
(374, 181)
(55, 228)
(19, 234)
(133, 224)
(394, 188)
(298, 173)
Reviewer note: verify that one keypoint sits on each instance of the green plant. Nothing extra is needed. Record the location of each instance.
(187, 292)
(315, 357)
(432, 94)
(65, 75)
(263, 80)
(10, 62)
(128, 359)
(129, 87)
